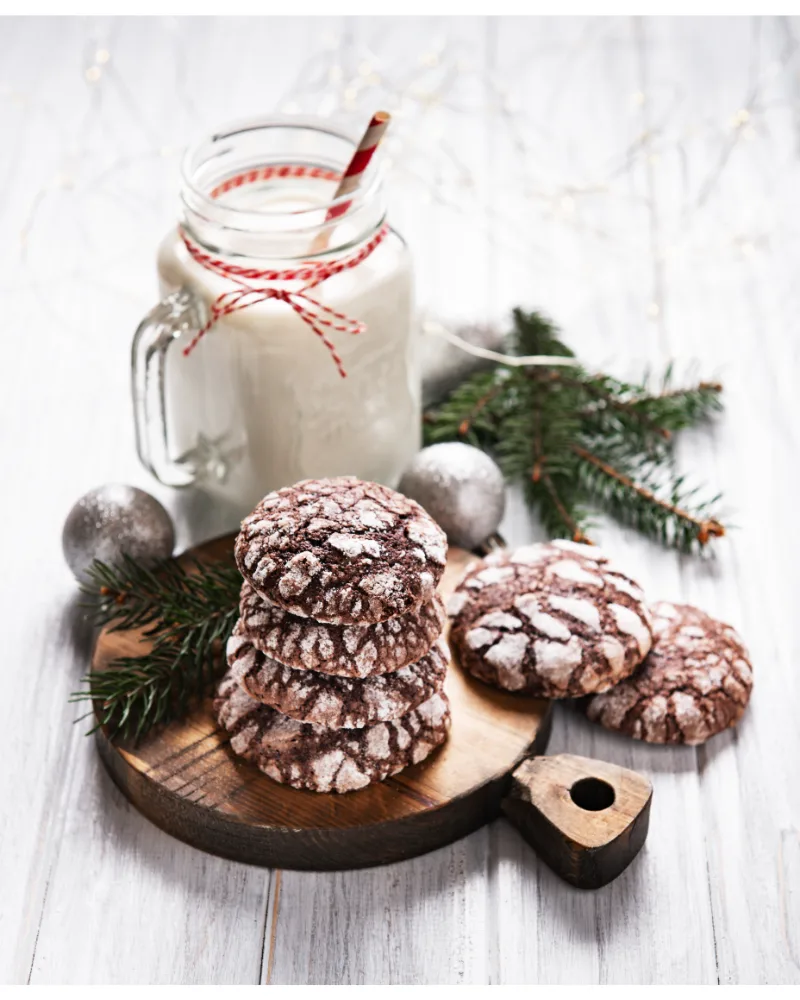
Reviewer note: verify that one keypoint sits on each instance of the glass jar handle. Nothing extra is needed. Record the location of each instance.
(174, 315)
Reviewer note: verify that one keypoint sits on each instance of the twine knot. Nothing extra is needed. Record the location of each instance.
(253, 285)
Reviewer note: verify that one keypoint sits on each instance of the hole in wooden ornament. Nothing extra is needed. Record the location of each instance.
(592, 794)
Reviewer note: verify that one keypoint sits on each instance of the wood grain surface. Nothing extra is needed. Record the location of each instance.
(187, 780)
(587, 819)
(638, 179)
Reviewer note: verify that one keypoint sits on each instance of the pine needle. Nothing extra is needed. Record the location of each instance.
(186, 614)
(579, 441)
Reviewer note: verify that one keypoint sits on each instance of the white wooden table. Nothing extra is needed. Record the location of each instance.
(637, 180)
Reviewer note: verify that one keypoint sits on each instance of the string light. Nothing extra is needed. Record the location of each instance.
(567, 204)
(543, 181)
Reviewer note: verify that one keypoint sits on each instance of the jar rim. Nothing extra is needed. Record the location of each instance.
(198, 199)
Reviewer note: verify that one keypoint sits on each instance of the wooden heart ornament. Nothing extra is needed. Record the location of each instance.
(585, 818)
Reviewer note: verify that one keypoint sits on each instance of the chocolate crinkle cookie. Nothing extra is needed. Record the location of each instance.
(554, 620)
(335, 702)
(341, 551)
(311, 757)
(344, 650)
(695, 682)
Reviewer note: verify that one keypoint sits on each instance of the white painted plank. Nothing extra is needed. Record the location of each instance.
(734, 312)
(424, 921)
(125, 903)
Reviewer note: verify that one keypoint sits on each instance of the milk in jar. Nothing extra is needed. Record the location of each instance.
(258, 402)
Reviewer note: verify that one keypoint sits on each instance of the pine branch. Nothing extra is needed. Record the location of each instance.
(132, 595)
(560, 513)
(610, 402)
(546, 464)
(468, 422)
(534, 333)
(638, 504)
(623, 409)
(188, 617)
(572, 439)
(676, 409)
(471, 413)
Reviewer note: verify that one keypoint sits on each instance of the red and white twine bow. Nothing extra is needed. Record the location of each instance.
(254, 285)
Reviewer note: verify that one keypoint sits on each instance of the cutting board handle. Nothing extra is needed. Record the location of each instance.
(585, 818)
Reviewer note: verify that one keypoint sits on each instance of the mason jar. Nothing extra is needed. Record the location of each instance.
(283, 347)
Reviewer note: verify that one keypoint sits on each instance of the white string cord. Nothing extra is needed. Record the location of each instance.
(432, 328)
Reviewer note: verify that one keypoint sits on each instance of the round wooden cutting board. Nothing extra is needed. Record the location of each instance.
(185, 778)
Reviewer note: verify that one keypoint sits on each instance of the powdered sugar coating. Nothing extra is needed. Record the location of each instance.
(335, 702)
(343, 650)
(317, 759)
(695, 682)
(554, 620)
(341, 551)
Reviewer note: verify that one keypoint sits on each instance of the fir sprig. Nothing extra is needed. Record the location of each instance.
(186, 614)
(578, 440)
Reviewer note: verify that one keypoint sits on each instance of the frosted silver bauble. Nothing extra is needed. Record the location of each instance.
(460, 487)
(112, 520)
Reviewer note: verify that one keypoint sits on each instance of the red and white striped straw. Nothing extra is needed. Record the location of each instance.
(352, 176)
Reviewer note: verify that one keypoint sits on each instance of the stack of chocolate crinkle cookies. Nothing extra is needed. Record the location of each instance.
(337, 665)
(558, 620)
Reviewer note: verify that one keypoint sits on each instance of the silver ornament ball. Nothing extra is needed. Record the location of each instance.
(112, 520)
(460, 487)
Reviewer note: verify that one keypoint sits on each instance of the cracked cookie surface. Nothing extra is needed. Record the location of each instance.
(554, 620)
(695, 682)
(343, 650)
(311, 757)
(341, 551)
(335, 702)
